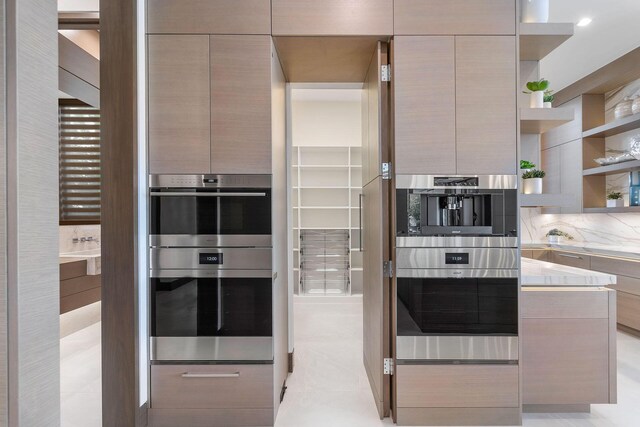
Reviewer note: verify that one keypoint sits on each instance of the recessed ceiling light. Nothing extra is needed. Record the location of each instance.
(584, 22)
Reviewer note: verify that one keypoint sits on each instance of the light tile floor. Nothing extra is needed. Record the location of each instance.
(329, 387)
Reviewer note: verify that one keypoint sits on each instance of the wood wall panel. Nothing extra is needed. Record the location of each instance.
(451, 17)
(486, 114)
(179, 130)
(4, 395)
(30, 210)
(240, 104)
(568, 131)
(425, 110)
(119, 226)
(209, 16)
(458, 386)
(332, 17)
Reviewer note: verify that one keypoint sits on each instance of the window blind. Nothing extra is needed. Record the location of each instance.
(79, 135)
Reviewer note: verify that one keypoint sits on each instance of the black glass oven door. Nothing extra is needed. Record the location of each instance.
(211, 212)
(441, 306)
(211, 307)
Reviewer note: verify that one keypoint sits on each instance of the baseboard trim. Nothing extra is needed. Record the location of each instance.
(628, 330)
(557, 409)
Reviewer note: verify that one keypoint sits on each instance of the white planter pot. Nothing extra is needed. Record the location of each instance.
(547, 105)
(532, 186)
(615, 203)
(537, 99)
(554, 240)
(535, 11)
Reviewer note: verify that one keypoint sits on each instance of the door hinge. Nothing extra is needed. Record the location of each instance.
(387, 268)
(385, 73)
(386, 170)
(388, 366)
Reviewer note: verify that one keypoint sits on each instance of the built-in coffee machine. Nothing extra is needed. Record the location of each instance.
(457, 269)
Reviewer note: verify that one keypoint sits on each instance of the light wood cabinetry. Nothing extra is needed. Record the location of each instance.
(425, 110)
(477, 134)
(457, 386)
(240, 104)
(209, 16)
(563, 165)
(571, 259)
(451, 17)
(209, 104)
(629, 310)
(179, 104)
(332, 17)
(486, 117)
(568, 346)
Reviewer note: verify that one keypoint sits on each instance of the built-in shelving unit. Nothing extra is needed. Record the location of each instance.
(327, 183)
(623, 167)
(541, 120)
(538, 40)
(615, 127)
(545, 200)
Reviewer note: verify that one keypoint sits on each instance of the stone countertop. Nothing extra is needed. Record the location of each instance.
(93, 258)
(589, 249)
(541, 273)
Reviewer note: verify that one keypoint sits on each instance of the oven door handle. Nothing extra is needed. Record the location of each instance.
(196, 375)
(201, 194)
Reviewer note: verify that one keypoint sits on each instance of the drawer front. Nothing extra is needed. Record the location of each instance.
(457, 386)
(211, 386)
(526, 254)
(616, 266)
(571, 304)
(209, 16)
(629, 310)
(540, 254)
(628, 285)
(571, 259)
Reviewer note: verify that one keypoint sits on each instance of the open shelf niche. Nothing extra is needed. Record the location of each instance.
(327, 183)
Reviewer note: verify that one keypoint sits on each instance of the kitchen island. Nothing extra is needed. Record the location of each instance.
(568, 338)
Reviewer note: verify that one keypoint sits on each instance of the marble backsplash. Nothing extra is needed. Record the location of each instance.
(70, 232)
(615, 230)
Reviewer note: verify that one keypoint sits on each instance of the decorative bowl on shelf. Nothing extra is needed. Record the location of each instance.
(624, 108)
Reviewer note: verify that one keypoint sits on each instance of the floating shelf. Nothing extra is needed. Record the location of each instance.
(539, 40)
(613, 169)
(546, 200)
(625, 209)
(541, 120)
(614, 128)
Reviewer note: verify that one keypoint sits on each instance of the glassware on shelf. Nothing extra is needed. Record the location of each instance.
(635, 106)
(634, 188)
(624, 108)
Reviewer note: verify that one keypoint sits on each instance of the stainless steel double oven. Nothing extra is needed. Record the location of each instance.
(211, 268)
(457, 269)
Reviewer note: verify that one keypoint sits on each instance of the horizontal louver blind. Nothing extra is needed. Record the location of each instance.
(79, 130)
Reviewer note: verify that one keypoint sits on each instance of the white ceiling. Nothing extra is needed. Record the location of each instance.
(79, 5)
(615, 31)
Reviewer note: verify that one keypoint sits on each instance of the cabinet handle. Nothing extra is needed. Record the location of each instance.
(360, 220)
(201, 194)
(195, 375)
(570, 256)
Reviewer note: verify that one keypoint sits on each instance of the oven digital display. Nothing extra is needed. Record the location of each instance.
(211, 258)
(456, 258)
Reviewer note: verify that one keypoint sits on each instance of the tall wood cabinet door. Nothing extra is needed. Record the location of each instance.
(571, 175)
(179, 107)
(486, 105)
(425, 110)
(241, 104)
(552, 181)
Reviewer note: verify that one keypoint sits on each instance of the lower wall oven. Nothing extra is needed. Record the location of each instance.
(211, 304)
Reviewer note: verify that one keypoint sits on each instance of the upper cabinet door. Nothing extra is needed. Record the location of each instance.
(209, 16)
(241, 104)
(486, 105)
(179, 108)
(332, 17)
(425, 93)
(450, 17)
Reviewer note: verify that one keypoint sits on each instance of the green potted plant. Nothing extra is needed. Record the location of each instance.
(537, 90)
(555, 236)
(532, 181)
(615, 200)
(548, 99)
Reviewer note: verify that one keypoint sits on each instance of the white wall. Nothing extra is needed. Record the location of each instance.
(335, 123)
(79, 5)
